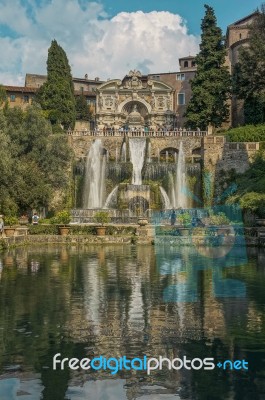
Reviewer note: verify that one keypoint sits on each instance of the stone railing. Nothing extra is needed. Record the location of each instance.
(138, 133)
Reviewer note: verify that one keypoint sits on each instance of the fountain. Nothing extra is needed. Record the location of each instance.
(165, 197)
(137, 153)
(123, 152)
(112, 198)
(177, 182)
(155, 185)
(94, 188)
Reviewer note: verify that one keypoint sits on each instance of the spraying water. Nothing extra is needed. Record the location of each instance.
(123, 152)
(137, 153)
(178, 183)
(165, 197)
(181, 179)
(112, 198)
(94, 188)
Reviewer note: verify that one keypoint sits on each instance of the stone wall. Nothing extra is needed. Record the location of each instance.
(222, 156)
(81, 144)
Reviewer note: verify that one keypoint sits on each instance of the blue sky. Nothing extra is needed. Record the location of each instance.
(227, 11)
(105, 38)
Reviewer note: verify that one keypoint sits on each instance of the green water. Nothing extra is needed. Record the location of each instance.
(133, 301)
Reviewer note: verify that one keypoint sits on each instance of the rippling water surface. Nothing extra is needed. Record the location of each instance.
(133, 301)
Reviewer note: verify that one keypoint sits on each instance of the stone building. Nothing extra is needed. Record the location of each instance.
(180, 82)
(136, 101)
(176, 83)
(20, 96)
(237, 35)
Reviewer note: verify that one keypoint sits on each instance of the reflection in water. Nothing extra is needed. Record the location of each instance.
(133, 301)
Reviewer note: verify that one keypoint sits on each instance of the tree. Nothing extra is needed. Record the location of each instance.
(211, 84)
(35, 164)
(249, 72)
(3, 96)
(83, 112)
(56, 95)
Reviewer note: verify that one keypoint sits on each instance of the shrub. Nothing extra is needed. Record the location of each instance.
(43, 230)
(247, 133)
(102, 217)
(62, 217)
(184, 219)
(10, 220)
(218, 219)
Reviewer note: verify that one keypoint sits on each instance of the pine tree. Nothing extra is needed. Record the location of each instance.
(249, 73)
(211, 84)
(56, 95)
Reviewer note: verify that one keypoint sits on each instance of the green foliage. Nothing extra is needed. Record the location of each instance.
(252, 201)
(102, 217)
(248, 75)
(43, 230)
(212, 84)
(33, 162)
(83, 112)
(62, 217)
(247, 133)
(10, 220)
(3, 96)
(218, 219)
(56, 95)
(251, 187)
(184, 219)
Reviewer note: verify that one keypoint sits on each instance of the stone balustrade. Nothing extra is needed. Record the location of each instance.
(138, 133)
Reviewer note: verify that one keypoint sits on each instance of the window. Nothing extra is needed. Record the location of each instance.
(186, 64)
(26, 98)
(181, 99)
(180, 77)
(240, 36)
(156, 77)
(90, 101)
(12, 97)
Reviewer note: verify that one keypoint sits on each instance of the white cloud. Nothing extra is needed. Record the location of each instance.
(95, 44)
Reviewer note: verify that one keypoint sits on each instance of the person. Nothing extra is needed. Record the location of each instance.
(35, 219)
(1, 224)
(173, 218)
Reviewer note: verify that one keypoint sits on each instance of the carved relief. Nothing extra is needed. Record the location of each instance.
(161, 102)
(108, 101)
(134, 82)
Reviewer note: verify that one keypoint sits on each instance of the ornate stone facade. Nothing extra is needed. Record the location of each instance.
(134, 102)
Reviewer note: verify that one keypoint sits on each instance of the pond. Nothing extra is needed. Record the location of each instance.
(133, 301)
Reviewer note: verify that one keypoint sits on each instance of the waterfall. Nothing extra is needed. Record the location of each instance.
(137, 153)
(149, 152)
(181, 179)
(165, 197)
(123, 152)
(94, 188)
(177, 182)
(112, 198)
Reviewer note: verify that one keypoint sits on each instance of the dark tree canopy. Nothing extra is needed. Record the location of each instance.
(56, 95)
(249, 73)
(83, 112)
(34, 162)
(211, 84)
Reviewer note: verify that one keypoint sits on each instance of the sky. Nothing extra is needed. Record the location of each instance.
(106, 38)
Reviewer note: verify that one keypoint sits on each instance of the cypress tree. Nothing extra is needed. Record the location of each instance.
(83, 112)
(56, 95)
(211, 84)
(249, 73)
